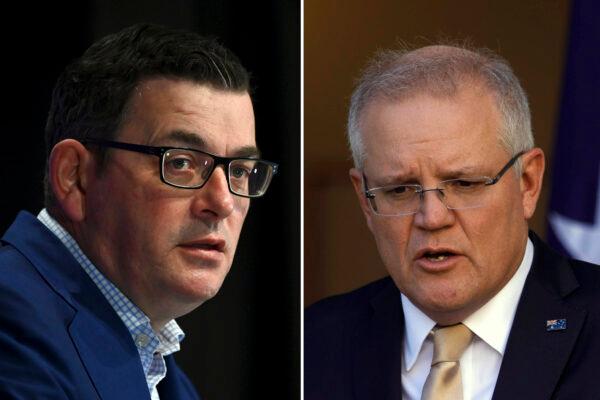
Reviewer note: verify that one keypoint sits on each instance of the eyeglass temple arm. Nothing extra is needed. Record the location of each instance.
(506, 168)
(158, 151)
(368, 193)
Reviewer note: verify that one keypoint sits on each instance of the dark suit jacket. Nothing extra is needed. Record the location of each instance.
(353, 342)
(59, 336)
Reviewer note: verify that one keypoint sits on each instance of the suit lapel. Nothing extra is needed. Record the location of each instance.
(104, 344)
(175, 385)
(535, 357)
(106, 348)
(111, 360)
(377, 349)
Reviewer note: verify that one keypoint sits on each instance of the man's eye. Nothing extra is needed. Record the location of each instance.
(180, 163)
(398, 191)
(462, 183)
(239, 172)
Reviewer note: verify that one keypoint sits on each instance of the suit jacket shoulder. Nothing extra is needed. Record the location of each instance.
(59, 336)
(352, 344)
(341, 311)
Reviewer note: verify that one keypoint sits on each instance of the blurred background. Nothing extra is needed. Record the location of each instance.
(246, 341)
(558, 68)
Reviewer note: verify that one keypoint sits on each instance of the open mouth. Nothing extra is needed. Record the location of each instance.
(438, 256)
(203, 246)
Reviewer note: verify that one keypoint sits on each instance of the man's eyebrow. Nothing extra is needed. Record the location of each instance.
(467, 170)
(184, 138)
(405, 177)
(394, 179)
(189, 139)
(247, 151)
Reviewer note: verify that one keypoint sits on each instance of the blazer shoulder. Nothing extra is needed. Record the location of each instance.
(561, 269)
(348, 307)
(38, 358)
(587, 274)
(337, 327)
(28, 304)
(587, 294)
(23, 288)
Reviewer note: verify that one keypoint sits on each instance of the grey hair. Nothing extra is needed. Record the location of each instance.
(440, 70)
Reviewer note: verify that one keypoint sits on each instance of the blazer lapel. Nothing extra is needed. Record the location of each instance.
(377, 349)
(535, 356)
(107, 351)
(104, 344)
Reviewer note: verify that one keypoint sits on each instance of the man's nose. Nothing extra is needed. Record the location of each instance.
(433, 213)
(214, 199)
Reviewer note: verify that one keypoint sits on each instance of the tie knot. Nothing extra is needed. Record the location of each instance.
(449, 342)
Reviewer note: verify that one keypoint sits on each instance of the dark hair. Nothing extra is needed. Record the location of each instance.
(90, 97)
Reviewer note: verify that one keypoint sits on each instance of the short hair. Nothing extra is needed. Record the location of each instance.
(440, 70)
(90, 97)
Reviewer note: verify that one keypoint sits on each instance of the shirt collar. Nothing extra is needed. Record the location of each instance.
(491, 323)
(417, 326)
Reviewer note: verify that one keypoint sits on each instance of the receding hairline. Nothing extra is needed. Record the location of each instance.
(466, 88)
(440, 70)
(461, 65)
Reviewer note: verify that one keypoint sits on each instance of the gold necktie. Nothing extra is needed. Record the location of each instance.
(444, 381)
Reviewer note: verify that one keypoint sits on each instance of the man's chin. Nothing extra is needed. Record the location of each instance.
(202, 290)
(193, 281)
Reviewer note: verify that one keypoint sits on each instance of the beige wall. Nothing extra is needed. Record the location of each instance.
(339, 36)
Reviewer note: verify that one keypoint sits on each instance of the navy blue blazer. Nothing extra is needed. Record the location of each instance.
(59, 336)
(353, 342)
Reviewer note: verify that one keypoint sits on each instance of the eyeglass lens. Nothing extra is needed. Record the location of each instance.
(186, 168)
(455, 194)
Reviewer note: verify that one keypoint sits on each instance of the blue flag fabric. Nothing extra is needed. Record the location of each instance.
(574, 215)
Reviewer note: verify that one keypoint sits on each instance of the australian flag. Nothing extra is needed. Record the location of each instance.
(574, 215)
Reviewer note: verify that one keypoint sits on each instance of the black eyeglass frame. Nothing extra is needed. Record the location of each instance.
(421, 190)
(162, 150)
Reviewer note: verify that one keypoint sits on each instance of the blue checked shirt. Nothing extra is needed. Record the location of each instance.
(152, 347)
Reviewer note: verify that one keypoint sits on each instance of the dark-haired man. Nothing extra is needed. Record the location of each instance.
(151, 165)
(476, 307)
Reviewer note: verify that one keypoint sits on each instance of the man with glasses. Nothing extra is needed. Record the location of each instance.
(152, 162)
(476, 307)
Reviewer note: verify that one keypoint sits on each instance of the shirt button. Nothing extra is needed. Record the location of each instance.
(142, 340)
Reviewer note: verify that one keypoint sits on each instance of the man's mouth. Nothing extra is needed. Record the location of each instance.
(210, 244)
(438, 256)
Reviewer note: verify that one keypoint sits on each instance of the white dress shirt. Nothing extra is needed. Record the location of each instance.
(480, 363)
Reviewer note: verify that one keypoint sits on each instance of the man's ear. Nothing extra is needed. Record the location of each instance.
(531, 179)
(356, 177)
(70, 167)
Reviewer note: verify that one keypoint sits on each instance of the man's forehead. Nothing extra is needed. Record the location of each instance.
(172, 112)
(400, 143)
(425, 117)
(154, 89)
(196, 140)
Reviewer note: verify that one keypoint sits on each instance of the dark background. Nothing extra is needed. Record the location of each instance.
(245, 343)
